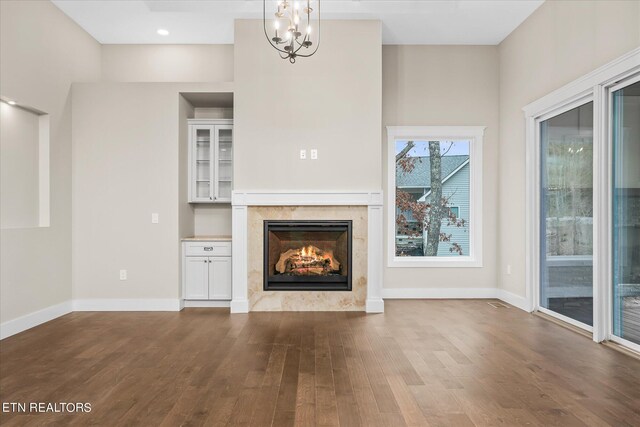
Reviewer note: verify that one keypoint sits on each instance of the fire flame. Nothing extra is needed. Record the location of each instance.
(310, 254)
(308, 260)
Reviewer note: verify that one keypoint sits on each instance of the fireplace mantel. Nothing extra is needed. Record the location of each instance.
(241, 200)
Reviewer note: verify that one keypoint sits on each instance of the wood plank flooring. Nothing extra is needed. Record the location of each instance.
(422, 363)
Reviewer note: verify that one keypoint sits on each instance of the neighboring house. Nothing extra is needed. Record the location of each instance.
(455, 187)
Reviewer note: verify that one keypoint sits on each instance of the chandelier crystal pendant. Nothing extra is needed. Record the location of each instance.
(292, 28)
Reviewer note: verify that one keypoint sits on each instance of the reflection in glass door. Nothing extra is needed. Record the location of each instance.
(626, 212)
(566, 214)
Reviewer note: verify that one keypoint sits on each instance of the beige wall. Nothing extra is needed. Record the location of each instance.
(331, 102)
(41, 52)
(167, 63)
(558, 43)
(446, 86)
(19, 170)
(185, 210)
(126, 155)
(212, 220)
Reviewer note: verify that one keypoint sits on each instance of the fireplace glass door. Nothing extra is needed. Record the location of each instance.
(307, 255)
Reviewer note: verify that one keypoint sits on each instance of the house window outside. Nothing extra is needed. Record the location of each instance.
(434, 202)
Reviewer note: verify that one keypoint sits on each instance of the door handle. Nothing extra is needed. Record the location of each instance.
(208, 248)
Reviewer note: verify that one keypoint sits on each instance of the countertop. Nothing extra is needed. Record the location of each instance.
(206, 238)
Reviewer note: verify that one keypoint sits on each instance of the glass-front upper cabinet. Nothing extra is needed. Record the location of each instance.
(210, 161)
(224, 162)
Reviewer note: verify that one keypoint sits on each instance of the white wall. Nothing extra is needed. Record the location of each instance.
(331, 102)
(126, 156)
(41, 53)
(558, 43)
(167, 63)
(446, 86)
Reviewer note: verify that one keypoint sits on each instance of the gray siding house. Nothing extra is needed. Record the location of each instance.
(455, 186)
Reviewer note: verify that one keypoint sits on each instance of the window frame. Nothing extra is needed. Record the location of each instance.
(475, 136)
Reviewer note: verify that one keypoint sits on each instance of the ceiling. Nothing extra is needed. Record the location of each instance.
(211, 22)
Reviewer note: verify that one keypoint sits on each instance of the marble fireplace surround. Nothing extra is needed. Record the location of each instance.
(250, 207)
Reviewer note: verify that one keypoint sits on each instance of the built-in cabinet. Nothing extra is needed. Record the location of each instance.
(210, 160)
(206, 270)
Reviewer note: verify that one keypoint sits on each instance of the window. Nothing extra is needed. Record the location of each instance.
(434, 196)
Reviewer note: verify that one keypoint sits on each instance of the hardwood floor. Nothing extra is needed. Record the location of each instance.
(436, 363)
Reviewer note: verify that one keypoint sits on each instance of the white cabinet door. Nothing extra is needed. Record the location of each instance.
(223, 149)
(197, 278)
(220, 278)
(202, 167)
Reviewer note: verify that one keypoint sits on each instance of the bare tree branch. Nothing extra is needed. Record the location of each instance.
(405, 150)
(447, 150)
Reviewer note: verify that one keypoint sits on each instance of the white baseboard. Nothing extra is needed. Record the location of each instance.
(439, 293)
(374, 305)
(36, 318)
(457, 293)
(515, 300)
(206, 303)
(31, 320)
(239, 306)
(108, 304)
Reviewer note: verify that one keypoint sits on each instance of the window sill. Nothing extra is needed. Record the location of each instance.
(441, 262)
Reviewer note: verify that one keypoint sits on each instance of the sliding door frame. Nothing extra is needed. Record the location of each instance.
(606, 92)
(595, 86)
(578, 100)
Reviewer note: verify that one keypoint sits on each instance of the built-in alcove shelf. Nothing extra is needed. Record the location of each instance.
(210, 160)
(206, 163)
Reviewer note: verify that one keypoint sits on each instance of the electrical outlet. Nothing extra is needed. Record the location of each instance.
(509, 269)
(303, 154)
(123, 274)
(155, 218)
(314, 154)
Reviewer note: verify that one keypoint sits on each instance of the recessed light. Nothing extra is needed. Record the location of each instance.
(163, 32)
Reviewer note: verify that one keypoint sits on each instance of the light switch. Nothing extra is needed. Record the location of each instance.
(155, 218)
(314, 154)
(123, 274)
(303, 154)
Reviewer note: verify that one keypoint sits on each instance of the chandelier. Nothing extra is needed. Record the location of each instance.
(292, 29)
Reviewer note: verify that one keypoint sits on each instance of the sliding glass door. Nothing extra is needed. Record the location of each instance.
(583, 202)
(566, 215)
(625, 134)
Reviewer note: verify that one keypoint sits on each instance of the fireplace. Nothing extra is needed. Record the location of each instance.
(307, 255)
